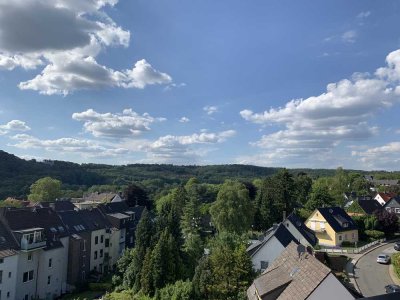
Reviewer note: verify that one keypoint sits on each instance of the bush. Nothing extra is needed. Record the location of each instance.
(347, 244)
(180, 290)
(396, 263)
(100, 286)
(374, 234)
(317, 247)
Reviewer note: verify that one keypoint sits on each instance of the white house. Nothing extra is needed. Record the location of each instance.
(263, 252)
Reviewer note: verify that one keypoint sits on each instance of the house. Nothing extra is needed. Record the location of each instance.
(94, 199)
(332, 226)
(382, 198)
(123, 218)
(42, 245)
(300, 231)
(59, 205)
(264, 251)
(297, 274)
(8, 263)
(393, 205)
(363, 207)
(79, 247)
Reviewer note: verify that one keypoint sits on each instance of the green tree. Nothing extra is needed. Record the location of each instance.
(303, 185)
(180, 290)
(136, 195)
(285, 199)
(266, 210)
(233, 211)
(227, 272)
(45, 189)
(320, 197)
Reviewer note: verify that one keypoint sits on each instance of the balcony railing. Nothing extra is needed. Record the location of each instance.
(29, 246)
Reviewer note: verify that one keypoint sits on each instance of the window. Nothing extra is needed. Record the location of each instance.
(48, 279)
(353, 235)
(322, 225)
(9, 274)
(107, 243)
(345, 224)
(96, 240)
(84, 245)
(83, 275)
(95, 254)
(29, 256)
(101, 252)
(50, 262)
(1, 260)
(102, 239)
(340, 237)
(8, 294)
(388, 209)
(28, 276)
(26, 297)
(397, 210)
(345, 236)
(1, 276)
(131, 240)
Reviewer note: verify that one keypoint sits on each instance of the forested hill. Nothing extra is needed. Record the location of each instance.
(16, 174)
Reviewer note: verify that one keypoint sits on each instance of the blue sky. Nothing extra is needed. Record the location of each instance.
(271, 83)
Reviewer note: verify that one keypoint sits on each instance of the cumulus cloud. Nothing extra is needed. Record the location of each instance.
(320, 123)
(14, 125)
(171, 148)
(210, 109)
(66, 36)
(184, 120)
(383, 157)
(87, 148)
(123, 124)
(349, 36)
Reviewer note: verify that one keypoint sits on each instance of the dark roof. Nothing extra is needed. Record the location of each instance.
(307, 233)
(95, 220)
(27, 218)
(338, 218)
(281, 234)
(369, 206)
(74, 221)
(8, 245)
(62, 205)
(394, 200)
(114, 207)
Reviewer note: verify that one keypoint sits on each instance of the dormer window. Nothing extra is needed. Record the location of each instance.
(345, 225)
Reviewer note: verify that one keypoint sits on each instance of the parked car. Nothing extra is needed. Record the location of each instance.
(397, 246)
(383, 259)
(392, 288)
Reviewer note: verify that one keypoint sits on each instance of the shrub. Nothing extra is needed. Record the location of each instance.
(374, 234)
(100, 286)
(347, 244)
(317, 247)
(396, 263)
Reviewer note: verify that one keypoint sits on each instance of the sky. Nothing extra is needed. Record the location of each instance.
(297, 84)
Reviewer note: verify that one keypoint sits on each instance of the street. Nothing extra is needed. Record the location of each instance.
(371, 276)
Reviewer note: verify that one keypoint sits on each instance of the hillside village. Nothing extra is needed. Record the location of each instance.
(57, 247)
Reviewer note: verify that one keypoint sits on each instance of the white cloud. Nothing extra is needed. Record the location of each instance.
(14, 125)
(178, 149)
(86, 148)
(349, 36)
(210, 109)
(320, 123)
(184, 120)
(364, 14)
(127, 123)
(66, 36)
(383, 157)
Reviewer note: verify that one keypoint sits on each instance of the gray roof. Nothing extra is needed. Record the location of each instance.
(293, 275)
(280, 232)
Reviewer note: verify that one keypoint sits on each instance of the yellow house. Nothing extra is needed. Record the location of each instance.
(332, 226)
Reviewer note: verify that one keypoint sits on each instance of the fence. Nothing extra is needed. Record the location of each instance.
(351, 250)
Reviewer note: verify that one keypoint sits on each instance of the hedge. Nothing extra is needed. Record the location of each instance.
(375, 234)
(396, 264)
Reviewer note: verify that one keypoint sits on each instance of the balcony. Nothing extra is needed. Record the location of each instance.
(31, 239)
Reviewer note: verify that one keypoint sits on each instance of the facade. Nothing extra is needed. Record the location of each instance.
(300, 231)
(332, 226)
(42, 246)
(263, 252)
(382, 198)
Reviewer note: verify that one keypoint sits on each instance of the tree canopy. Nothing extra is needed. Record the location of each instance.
(45, 189)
